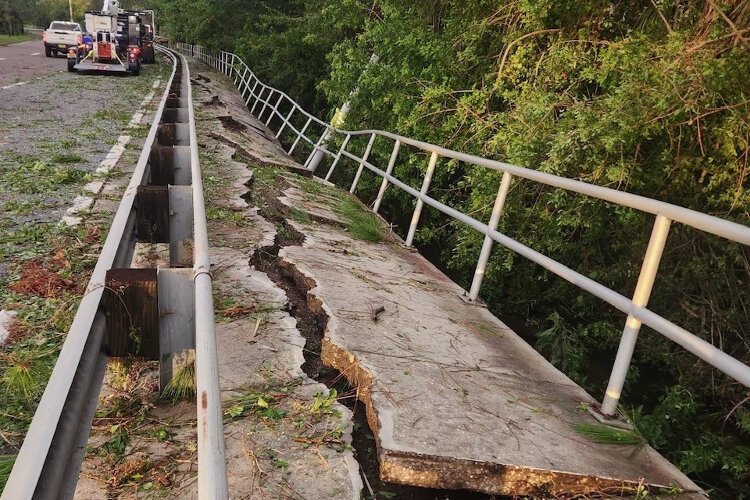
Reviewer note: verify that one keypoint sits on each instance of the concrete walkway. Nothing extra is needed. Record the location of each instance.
(454, 397)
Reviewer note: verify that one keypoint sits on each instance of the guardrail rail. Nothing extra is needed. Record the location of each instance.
(162, 204)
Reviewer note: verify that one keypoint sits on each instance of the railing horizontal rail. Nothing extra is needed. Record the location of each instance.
(635, 308)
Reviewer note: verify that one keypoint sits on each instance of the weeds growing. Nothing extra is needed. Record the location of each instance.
(360, 223)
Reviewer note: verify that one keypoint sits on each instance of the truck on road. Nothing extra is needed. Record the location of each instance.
(115, 46)
(60, 36)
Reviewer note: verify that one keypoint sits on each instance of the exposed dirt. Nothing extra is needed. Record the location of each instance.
(231, 124)
(214, 101)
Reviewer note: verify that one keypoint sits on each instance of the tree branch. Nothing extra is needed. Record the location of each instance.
(520, 39)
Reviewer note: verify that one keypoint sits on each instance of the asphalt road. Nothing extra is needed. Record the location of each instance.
(23, 61)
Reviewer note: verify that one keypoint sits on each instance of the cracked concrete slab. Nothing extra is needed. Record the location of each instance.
(456, 398)
(294, 451)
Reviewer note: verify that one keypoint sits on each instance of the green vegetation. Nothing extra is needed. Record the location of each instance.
(112, 114)
(15, 13)
(6, 465)
(10, 39)
(182, 386)
(600, 433)
(39, 177)
(360, 222)
(299, 215)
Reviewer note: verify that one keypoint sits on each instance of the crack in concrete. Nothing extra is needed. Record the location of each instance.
(322, 357)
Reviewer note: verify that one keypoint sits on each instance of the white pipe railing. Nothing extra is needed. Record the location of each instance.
(635, 308)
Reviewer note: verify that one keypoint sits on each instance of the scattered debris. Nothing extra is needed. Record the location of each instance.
(238, 310)
(214, 101)
(7, 324)
(37, 279)
(376, 311)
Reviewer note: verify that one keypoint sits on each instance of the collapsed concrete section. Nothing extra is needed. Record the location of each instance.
(285, 434)
(455, 399)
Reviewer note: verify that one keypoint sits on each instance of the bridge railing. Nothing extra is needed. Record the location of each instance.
(261, 98)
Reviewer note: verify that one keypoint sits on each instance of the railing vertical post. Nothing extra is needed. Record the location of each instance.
(245, 85)
(241, 80)
(275, 109)
(252, 91)
(338, 156)
(258, 98)
(420, 203)
(299, 136)
(388, 171)
(484, 255)
(286, 120)
(362, 163)
(314, 152)
(265, 104)
(232, 72)
(632, 325)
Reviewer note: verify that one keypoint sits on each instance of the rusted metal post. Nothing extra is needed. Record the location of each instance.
(152, 214)
(132, 308)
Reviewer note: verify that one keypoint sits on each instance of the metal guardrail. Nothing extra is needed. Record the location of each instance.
(252, 89)
(50, 458)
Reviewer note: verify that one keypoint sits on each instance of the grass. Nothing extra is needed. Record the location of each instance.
(113, 115)
(360, 223)
(299, 215)
(6, 465)
(214, 213)
(67, 158)
(9, 39)
(182, 386)
(600, 433)
(39, 177)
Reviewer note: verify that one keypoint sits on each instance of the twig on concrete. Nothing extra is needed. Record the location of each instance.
(376, 311)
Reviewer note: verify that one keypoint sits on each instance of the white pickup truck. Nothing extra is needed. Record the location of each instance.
(60, 36)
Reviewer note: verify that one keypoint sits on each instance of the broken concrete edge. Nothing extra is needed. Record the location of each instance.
(235, 198)
(434, 471)
(287, 202)
(451, 473)
(239, 150)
